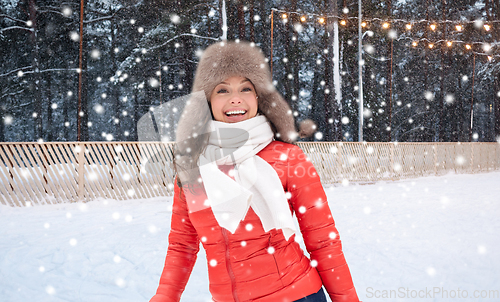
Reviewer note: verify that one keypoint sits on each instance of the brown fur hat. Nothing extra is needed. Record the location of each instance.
(226, 59)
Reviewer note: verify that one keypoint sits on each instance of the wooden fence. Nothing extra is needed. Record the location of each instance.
(41, 173)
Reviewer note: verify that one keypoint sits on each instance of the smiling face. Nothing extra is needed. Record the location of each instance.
(234, 100)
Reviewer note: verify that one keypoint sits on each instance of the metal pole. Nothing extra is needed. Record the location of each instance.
(472, 96)
(80, 58)
(360, 73)
(272, 38)
(224, 21)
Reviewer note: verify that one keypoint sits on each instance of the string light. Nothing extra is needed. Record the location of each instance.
(409, 25)
(396, 20)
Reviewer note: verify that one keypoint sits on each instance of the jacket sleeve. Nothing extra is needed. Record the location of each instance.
(183, 247)
(309, 202)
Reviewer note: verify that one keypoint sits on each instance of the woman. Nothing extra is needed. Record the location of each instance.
(239, 196)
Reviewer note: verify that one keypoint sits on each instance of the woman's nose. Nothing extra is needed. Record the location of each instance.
(235, 99)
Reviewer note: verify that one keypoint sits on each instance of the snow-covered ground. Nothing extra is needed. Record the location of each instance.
(419, 240)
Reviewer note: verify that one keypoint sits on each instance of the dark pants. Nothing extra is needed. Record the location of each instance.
(317, 297)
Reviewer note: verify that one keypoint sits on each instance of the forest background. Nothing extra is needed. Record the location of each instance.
(428, 65)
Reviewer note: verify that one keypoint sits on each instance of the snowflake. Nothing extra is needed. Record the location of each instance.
(429, 95)
(449, 98)
(66, 11)
(302, 209)
(152, 229)
(120, 282)
(393, 34)
(481, 249)
(95, 54)
(369, 48)
(175, 18)
(74, 36)
(153, 82)
(99, 108)
(8, 119)
(431, 271)
(50, 290)
(367, 113)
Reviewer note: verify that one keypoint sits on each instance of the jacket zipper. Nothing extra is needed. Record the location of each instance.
(228, 266)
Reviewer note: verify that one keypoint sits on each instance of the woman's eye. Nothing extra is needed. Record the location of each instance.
(247, 89)
(222, 90)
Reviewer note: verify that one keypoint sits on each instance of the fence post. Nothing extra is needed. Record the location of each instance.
(471, 157)
(393, 174)
(435, 159)
(339, 161)
(81, 172)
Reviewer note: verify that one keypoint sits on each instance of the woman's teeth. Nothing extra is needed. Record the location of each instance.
(235, 112)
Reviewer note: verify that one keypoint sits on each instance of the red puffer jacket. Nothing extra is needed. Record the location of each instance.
(251, 264)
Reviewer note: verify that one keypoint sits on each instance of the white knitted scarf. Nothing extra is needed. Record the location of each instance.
(256, 184)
